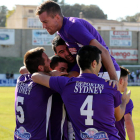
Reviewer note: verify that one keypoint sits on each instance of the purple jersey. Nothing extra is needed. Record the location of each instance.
(78, 32)
(89, 102)
(58, 121)
(120, 124)
(32, 109)
(75, 68)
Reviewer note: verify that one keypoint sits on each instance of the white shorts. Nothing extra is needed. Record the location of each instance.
(105, 75)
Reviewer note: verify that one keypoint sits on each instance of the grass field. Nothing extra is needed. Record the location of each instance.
(7, 117)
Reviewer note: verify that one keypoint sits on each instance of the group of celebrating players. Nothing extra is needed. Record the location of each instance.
(75, 95)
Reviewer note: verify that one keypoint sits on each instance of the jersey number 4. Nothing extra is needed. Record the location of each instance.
(89, 112)
(20, 109)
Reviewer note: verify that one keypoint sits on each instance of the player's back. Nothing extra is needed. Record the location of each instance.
(85, 32)
(69, 26)
(32, 109)
(90, 102)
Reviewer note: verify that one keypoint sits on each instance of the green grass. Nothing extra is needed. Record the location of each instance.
(135, 96)
(7, 116)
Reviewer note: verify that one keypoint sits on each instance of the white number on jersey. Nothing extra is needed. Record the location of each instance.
(89, 112)
(20, 109)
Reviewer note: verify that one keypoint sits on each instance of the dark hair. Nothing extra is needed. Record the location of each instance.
(51, 7)
(55, 60)
(124, 71)
(56, 42)
(33, 58)
(86, 55)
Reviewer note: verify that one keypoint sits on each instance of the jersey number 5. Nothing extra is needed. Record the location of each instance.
(20, 109)
(89, 112)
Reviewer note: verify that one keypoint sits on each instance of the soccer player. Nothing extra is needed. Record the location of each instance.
(60, 48)
(88, 99)
(58, 111)
(32, 101)
(76, 33)
(126, 121)
(59, 64)
(58, 122)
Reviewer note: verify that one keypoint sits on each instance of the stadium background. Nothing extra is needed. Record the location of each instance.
(124, 47)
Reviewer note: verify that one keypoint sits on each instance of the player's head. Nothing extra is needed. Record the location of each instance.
(61, 49)
(50, 15)
(59, 64)
(123, 81)
(36, 60)
(89, 58)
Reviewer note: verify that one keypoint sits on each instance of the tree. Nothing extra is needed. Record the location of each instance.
(93, 11)
(3, 11)
(71, 11)
(135, 18)
(9, 13)
(89, 11)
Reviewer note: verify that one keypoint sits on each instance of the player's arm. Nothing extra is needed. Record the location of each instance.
(84, 37)
(23, 70)
(106, 59)
(73, 74)
(41, 79)
(54, 82)
(120, 110)
(129, 126)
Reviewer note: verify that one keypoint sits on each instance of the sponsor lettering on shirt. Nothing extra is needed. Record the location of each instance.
(24, 88)
(94, 134)
(22, 134)
(73, 50)
(86, 87)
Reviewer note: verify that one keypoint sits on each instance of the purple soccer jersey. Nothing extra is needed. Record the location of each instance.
(120, 125)
(89, 102)
(32, 109)
(75, 68)
(78, 32)
(58, 120)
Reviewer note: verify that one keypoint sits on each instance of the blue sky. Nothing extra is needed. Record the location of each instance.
(114, 9)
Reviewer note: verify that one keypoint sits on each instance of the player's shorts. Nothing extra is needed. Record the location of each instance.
(105, 75)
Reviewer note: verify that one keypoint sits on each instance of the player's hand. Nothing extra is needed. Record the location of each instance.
(113, 83)
(23, 70)
(125, 96)
(58, 73)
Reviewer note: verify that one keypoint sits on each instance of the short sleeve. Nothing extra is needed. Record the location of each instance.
(117, 98)
(80, 33)
(129, 107)
(57, 83)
